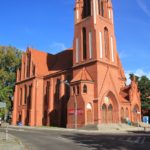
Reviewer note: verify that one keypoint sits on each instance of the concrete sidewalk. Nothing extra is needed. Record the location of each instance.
(102, 130)
(11, 143)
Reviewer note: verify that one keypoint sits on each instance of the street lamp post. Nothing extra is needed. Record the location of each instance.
(75, 105)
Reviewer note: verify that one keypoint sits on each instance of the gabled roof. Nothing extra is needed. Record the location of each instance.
(83, 75)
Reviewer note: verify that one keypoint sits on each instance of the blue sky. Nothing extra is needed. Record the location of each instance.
(48, 25)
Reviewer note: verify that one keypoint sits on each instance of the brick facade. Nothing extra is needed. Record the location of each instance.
(79, 86)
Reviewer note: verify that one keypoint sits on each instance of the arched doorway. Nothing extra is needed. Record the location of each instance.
(104, 114)
(89, 114)
(109, 109)
(136, 116)
(127, 113)
(122, 114)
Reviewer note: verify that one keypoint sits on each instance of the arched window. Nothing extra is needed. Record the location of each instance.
(86, 8)
(84, 43)
(84, 89)
(106, 42)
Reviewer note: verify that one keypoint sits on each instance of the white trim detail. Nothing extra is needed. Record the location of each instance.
(109, 12)
(77, 50)
(90, 45)
(100, 44)
(112, 49)
(77, 14)
(112, 17)
(89, 106)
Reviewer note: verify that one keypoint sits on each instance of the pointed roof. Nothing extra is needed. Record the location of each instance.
(83, 75)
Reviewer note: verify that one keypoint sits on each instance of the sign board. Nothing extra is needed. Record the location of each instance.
(146, 119)
(2, 105)
(20, 124)
(72, 112)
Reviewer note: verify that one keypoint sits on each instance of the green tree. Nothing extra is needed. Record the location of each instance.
(144, 87)
(10, 59)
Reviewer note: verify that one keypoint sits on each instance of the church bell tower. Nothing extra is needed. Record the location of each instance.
(94, 37)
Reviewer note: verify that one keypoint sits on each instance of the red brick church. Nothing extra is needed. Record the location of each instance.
(78, 86)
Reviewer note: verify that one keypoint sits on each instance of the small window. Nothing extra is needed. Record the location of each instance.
(84, 89)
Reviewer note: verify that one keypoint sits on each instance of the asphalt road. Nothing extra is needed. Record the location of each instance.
(70, 140)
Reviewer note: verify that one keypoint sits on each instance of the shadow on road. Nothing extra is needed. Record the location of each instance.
(105, 142)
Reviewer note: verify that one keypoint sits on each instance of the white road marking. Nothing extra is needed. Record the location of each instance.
(129, 139)
(143, 140)
(137, 140)
(64, 139)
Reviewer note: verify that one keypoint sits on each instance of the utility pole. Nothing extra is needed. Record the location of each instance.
(75, 111)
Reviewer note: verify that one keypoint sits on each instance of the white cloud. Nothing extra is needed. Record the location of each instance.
(57, 47)
(144, 7)
(138, 72)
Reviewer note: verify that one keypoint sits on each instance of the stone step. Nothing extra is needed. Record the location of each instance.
(107, 127)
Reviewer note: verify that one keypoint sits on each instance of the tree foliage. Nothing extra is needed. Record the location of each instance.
(144, 87)
(10, 59)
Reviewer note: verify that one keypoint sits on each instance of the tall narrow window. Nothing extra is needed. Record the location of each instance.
(28, 65)
(106, 42)
(78, 89)
(99, 7)
(24, 66)
(74, 90)
(86, 8)
(21, 96)
(77, 50)
(25, 94)
(112, 49)
(102, 8)
(90, 44)
(58, 89)
(30, 96)
(33, 69)
(84, 43)
(101, 45)
(47, 93)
